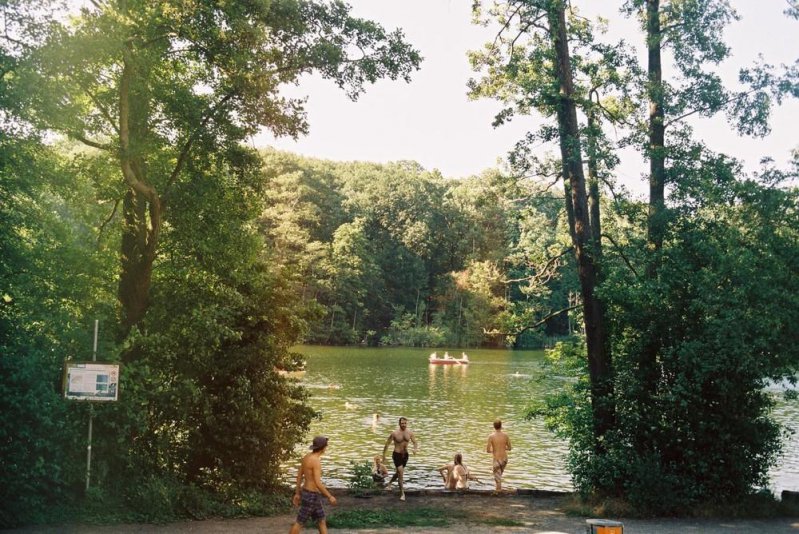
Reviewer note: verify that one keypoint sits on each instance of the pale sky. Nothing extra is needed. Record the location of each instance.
(432, 122)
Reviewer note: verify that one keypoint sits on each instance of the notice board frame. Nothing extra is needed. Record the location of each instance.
(91, 381)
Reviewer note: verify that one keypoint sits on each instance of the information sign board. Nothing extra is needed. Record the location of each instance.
(91, 381)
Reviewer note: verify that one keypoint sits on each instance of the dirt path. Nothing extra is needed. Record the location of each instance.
(478, 513)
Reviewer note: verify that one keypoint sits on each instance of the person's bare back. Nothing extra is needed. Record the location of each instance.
(498, 445)
(309, 488)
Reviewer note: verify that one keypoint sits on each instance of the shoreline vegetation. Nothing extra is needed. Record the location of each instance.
(132, 199)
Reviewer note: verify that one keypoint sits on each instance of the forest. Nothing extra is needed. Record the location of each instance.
(396, 255)
(130, 195)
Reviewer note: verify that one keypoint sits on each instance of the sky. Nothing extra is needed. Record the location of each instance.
(431, 121)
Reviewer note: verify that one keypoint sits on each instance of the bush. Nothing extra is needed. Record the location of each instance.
(42, 439)
(700, 455)
(404, 332)
(361, 482)
(201, 503)
(155, 499)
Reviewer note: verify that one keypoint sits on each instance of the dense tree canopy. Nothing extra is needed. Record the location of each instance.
(681, 351)
(394, 254)
(162, 85)
(128, 195)
(160, 200)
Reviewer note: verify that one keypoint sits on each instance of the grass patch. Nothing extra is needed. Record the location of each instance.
(608, 507)
(418, 517)
(498, 521)
(757, 506)
(158, 503)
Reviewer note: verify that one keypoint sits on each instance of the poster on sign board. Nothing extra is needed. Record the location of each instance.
(91, 381)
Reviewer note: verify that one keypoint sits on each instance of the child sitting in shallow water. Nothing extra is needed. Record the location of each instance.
(379, 470)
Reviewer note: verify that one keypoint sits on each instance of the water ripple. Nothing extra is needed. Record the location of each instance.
(451, 409)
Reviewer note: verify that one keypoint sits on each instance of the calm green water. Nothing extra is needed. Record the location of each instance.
(785, 475)
(451, 409)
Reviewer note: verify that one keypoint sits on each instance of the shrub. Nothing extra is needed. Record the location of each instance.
(361, 481)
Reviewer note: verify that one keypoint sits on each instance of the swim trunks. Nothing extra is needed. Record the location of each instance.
(400, 458)
(499, 468)
(310, 507)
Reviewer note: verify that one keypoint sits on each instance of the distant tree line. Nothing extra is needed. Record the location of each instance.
(396, 255)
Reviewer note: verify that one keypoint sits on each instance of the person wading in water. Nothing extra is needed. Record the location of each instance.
(400, 437)
(498, 445)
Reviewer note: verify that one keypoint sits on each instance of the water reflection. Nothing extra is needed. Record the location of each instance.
(362, 392)
(450, 408)
(785, 475)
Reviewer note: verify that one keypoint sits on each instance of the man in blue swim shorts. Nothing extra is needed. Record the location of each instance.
(309, 491)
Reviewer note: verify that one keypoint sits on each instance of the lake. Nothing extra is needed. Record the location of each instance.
(450, 409)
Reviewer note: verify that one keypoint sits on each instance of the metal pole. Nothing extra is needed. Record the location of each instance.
(91, 414)
(89, 450)
(94, 349)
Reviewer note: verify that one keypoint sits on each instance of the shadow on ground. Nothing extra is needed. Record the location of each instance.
(474, 512)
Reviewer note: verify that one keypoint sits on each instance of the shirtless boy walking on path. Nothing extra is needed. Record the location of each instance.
(309, 499)
(498, 445)
(400, 437)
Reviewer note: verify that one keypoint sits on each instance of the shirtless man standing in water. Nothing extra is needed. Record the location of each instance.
(400, 437)
(498, 445)
(309, 499)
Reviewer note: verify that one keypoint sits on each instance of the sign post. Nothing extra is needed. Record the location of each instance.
(91, 414)
(91, 382)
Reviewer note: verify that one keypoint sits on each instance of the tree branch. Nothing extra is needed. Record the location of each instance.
(105, 222)
(505, 26)
(89, 142)
(103, 111)
(545, 269)
(699, 110)
(609, 185)
(621, 253)
(184, 152)
(523, 30)
(533, 325)
(670, 27)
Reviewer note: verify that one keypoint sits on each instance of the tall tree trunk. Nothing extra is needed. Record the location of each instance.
(332, 317)
(648, 369)
(599, 360)
(593, 186)
(136, 263)
(657, 155)
(460, 307)
(142, 204)
(416, 309)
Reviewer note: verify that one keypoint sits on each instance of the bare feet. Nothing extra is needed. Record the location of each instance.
(402, 496)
